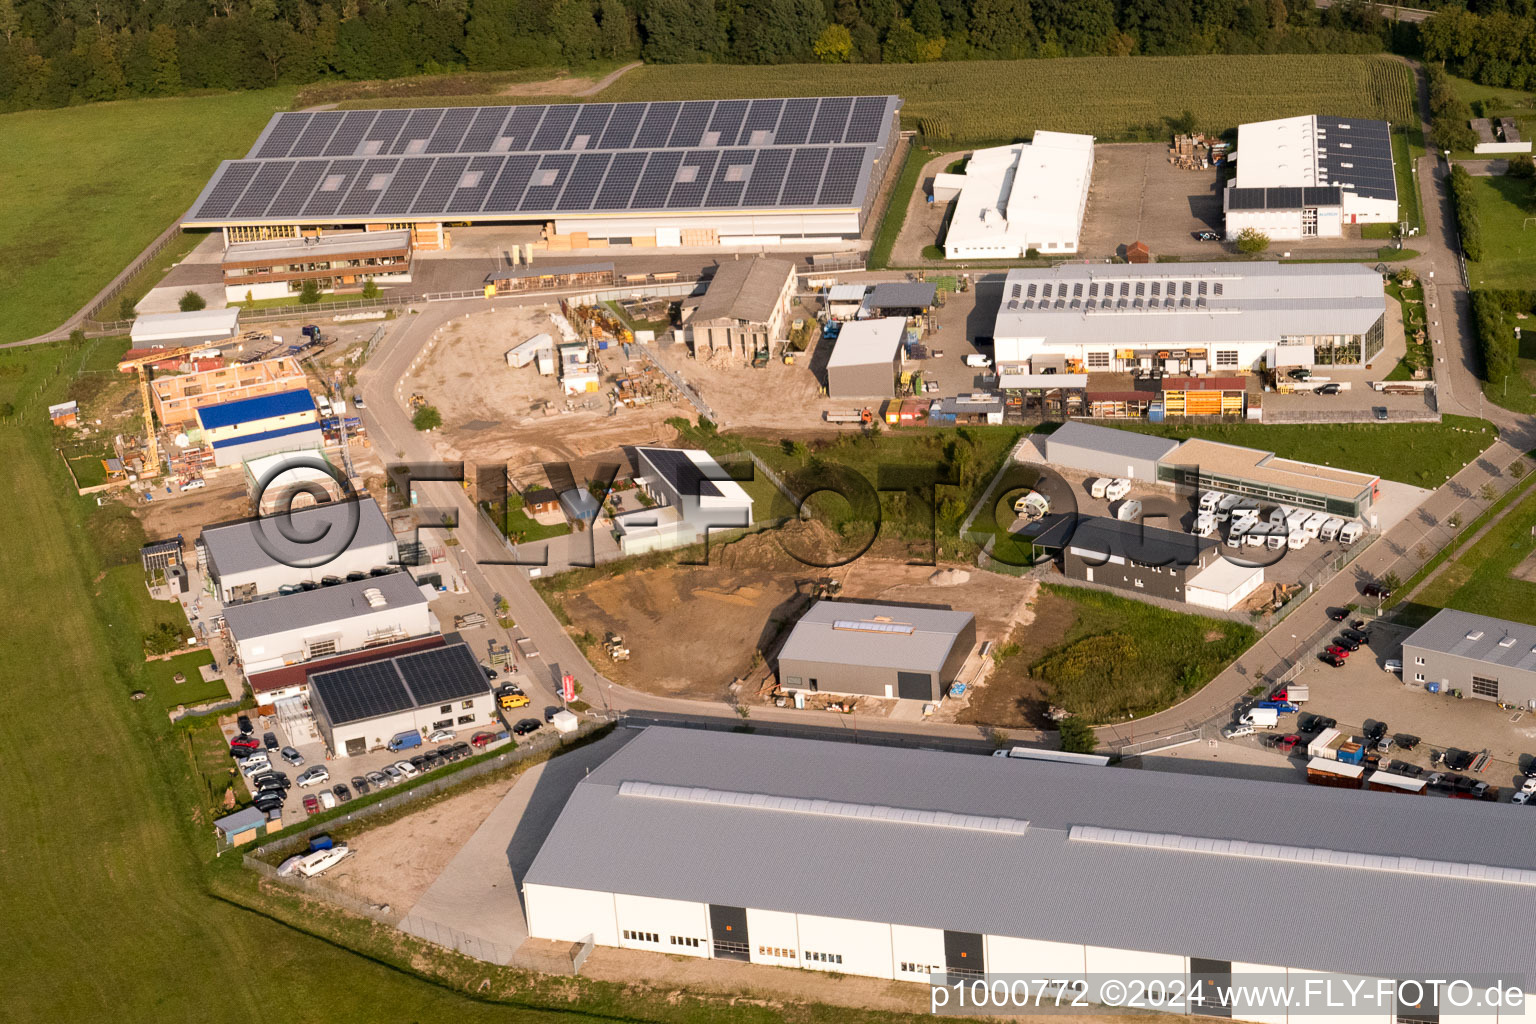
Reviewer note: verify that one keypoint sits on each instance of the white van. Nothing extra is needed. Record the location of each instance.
(1129, 511)
(1349, 533)
(1261, 718)
(327, 799)
(1117, 489)
(976, 359)
(1331, 529)
(1098, 486)
(1314, 523)
(318, 861)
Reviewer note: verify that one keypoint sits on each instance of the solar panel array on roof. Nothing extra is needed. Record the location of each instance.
(454, 162)
(1356, 155)
(442, 674)
(682, 473)
(360, 692)
(1285, 198)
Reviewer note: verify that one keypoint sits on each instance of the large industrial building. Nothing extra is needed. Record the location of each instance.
(178, 397)
(363, 706)
(1107, 451)
(275, 268)
(185, 330)
(1047, 868)
(285, 682)
(1309, 176)
(257, 557)
(1011, 199)
(294, 628)
(866, 358)
(745, 310)
(250, 427)
(876, 650)
(1189, 317)
(1483, 657)
(701, 173)
(693, 497)
(1231, 469)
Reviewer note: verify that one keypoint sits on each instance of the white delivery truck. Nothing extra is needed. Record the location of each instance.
(977, 360)
(1330, 529)
(1261, 718)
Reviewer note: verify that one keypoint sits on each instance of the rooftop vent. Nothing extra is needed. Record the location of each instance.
(1508, 641)
(375, 597)
(880, 625)
(1476, 634)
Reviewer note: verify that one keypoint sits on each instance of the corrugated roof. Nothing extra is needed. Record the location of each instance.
(317, 607)
(1117, 895)
(866, 342)
(902, 295)
(1498, 641)
(248, 410)
(345, 243)
(267, 435)
(1137, 542)
(201, 323)
(259, 543)
(1109, 441)
(856, 633)
(744, 290)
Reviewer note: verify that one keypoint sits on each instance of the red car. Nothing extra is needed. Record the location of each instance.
(311, 804)
(1337, 651)
(480, 739)
(1286, 744)
(244, 743)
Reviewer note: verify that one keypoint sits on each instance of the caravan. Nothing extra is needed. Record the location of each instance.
(1098, 487)
(1297, 540)
(1331, 529)
(1349, 533)
(1117, 489)
(1278, 538)
(1314, 524)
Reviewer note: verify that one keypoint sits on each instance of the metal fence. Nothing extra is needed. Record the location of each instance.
(440, 934)
(156, 247)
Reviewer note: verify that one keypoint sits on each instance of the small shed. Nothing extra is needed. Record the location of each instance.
(900, 298)
(66, 414)
(866, 359)
(242, 827)
(845, 300)
(538, 500)
(1137, 252)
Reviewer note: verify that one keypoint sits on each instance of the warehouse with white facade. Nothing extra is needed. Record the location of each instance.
(866, 358)
(257, 557)
(693, 495)
(294, 628)
(1045, 867)
(1011, 199)
(1189, 317)
(362, 707)
(1310, 177)
(1107, 451)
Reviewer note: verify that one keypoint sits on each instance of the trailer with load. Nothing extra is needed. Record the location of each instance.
(1338, 775)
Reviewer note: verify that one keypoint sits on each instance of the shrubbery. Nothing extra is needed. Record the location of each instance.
(1493, 317)
(1466, 214)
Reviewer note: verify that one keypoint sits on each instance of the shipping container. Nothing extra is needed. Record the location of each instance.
(1321, 772)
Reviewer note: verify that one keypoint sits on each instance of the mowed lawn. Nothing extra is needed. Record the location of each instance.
(1422, 454)
(87, 188)
(1509, 244)
(1479, 578)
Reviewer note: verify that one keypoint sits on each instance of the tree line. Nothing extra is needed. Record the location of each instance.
(59, 52)
(1489, 41)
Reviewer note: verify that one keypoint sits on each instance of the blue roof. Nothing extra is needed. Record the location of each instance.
(284, 403)
(267, 435)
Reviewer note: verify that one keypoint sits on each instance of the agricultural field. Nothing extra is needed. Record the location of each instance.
(88, 187)
(981, 101)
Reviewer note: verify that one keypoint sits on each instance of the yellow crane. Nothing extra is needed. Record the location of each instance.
(141, 363)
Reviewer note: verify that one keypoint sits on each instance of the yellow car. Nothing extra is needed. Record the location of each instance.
(514, 700)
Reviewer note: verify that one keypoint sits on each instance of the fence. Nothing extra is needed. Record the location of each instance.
(1157, 743)
(116, 288)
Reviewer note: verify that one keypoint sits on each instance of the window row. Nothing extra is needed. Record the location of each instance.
(825, 958)
(634, 936)
(684, 940)
(912, 968)
(787, 954)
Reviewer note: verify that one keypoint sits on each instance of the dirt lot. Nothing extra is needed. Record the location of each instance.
(395, 863)
(496, 413)
(748, 597)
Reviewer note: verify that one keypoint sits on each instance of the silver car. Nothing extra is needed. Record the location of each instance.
(378, 779)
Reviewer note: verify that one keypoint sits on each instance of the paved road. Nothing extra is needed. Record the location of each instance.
(1390, 11)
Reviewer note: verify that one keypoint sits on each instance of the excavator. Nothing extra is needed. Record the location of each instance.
(140, 360)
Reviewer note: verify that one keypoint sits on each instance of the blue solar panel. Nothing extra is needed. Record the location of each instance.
(841, 182)
(350, 135)
(397, 199)
(656, 182)
(620, 183)
(228, 184)
(657, 125)
(547, 181)
(332, 188)
(385, 128)
(795, 125)
(439, 186)
(360, 200)
(321, 126)
(285, 131)
(763, 117)
(450, 130)
(804, 177)
(622, 126)
(295, 192)
(699, 164)
(726, 123)
(867, 119)
(263, 189)
(510, 184)
(413, 137)
(483, 132)
(467, 198)
(831, 119)
(767, 178)
(590, 123)
(553, 129)
(689, 129)
(521, 126)
(734, 163)
(585, 179)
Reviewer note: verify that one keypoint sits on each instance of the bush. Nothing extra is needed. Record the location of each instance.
(1466, 213)
(1252, 241)
(310, 293)
(126, 309)
(427, 418)
(191, 302)
(1077, 736)
(370, 289)
(1493, 318)
(1521, 166)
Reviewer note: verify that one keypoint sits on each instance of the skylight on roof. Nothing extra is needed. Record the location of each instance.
(867, 626)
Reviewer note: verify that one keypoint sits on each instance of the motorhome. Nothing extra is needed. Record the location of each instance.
(1226, 505)
(1205, 524)
(1209, 500)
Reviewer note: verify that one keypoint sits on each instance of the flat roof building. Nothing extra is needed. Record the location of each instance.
(287, 681)
(745, 309)
(1107, 451)
(363, 706)
(1134, 556)
(250, 427)
(1210, 465)
(256, 557)
(1310, 176)
(1121, 852)
(1011, 199)
(866, 358)
(900, 298)
(876, 650)
(182, 330)
(1189, 317)
(694, 496)
(1483, 657)
(274, 268)
(178, 397)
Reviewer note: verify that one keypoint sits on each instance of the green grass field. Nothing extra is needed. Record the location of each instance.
(1509, 244)
(1478, 579)
(1407, 147)
(88, 187)
(1422, 454)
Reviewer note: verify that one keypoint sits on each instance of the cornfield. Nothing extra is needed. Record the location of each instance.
(1114, 98)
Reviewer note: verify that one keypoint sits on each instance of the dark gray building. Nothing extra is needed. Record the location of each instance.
(901, 298)
(1483, 657)
(1135, 557)
(1107, 451)
(876, 650)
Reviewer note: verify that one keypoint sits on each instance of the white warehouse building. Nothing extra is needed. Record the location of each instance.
(1310, 176)
(1188, 317)
(256, 557)
(1011, 199)
(295, 628)
(1049, 867)
(362, 707)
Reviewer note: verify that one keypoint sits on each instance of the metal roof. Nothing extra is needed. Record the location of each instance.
(262, 542)
(902, 295)
(1182, 304)
(198, 324)
(387, 686)
(855, 633)
(1136, 542)
(538, 161)
(1479, 637)
(339, 601)
(745, 290)
(312, 247)
(267, 435)
(1120, 895)
(867, 342)
(1317, 150)
(1109, 441)
(246, 410)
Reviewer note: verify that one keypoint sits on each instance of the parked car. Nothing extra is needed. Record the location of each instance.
(268, 800)
(1299, 373)
(314, 776)
(1336, 651)
(311, 805)
(1380, 412)
(357, 402)
(1286, 744)
(527, 726)
(1315, 723)
(433, 761)
(462, 749)
(1331, 659)
(1338, 615)
(490, 673)
(342, 792)
(252, 767)
(269, 740)
(1529, 769)
(393, 774)
(1377, 591)
(1393, 665)
(1348, 643)
(1407, 740)
(242, 745)
(327, 800)
(1376, 730)
(377, 779)
(1329, 389)
(440, 735)
(1359, 636)
(480, 739)
(1404, 768)
(1523, 797)
(244, 725)
(419, 762)
(271, 780)
(1207, 236)
(1458, 760)
(292, 756)
(360, 784)
(406, 769)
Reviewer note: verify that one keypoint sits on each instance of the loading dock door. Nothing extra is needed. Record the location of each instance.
(914, 685)
(728, 926)
(1212, 979)
(356, 748)
(1425, 1011)
(963, 957)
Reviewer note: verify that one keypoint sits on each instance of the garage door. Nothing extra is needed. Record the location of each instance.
(1213, 980)
(728, 927)
(963, 957)
(356, 747)
(914, 685)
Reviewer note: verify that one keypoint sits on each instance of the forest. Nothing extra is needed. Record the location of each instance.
(60, 52)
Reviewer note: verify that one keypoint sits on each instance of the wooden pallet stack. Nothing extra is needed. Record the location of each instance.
(1190, 152)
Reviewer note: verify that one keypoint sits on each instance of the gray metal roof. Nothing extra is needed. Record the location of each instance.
(1184, 304)
(902, 295)
(565, 159)
(1137, 542)
(262, 542)
(317, 607)
(1499, 641)
(1111, 894)
(867, 342)
(882, 635)
(744, 290)
(1125, 443)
